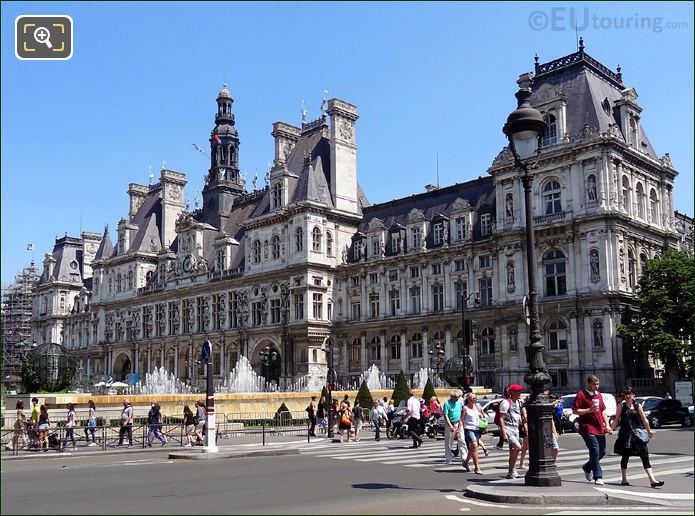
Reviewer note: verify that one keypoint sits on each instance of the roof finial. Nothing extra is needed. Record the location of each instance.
(150, 175)
(323, 102)
(305, 112)
(581, 45)
(619, 74)
(535, 63)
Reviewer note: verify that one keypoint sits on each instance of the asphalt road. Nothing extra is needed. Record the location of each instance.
(324, 479)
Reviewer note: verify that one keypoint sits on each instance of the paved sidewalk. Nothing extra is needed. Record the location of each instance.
(573, 493)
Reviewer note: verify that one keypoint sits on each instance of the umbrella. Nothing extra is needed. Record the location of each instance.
(118, 385)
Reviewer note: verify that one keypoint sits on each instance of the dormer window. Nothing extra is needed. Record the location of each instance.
(438, 233)
(316, 240)
(550, 132)
(461, 228)
(299, 239)
(276, 196)
(551, 197)
(634, 131)
(219, 260)
(376, 246)
(395, 242)
(416, 237)
(329, 244)
(256, 251)
(276, 247)
(485, 224)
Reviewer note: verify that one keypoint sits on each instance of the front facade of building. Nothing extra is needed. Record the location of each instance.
(281, 273)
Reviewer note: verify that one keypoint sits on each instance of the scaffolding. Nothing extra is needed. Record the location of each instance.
(16, 323)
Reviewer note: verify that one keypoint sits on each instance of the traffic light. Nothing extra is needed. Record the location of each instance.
(329, 387)
(469, 380)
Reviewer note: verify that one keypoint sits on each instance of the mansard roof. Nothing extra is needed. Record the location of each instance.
(479, 193)
(591, 90)
(67, 253)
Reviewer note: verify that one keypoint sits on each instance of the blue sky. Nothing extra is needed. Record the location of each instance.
(427, 78)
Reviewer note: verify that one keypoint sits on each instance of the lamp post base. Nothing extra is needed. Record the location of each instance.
(541, 465)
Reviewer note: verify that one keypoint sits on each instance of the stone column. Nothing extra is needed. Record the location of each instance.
(404, 351)
(425, 354)
(363, 350)
(384, 363)
(448, 346)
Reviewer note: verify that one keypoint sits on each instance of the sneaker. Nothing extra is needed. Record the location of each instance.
(449, 462)
(465, 466)
(92, 444)
(598, 482)
(512, 474)
(130, 446)
(587, 475)
(164, 443)
(499, 447)
(188, 445)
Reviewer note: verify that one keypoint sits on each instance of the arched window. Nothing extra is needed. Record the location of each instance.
(438, 346)
(355, 351)
(460, 345)
(634, 135)
(219, 260)
(276, 247)
(653, 207)
(130, 280)
(375, 348)
(329, 243)
(555, 275)
(597, 334)
(416, 345)
(299, 239)
(395, 353)
(551, 197)
(256, 251)
(314, 356)
(626, 194)
(119, 282)
(631, 268)
(277, 195)
(316, 239)
(642, 263)
(641, 198)
(265, 249)
(487, 341)
(557, 336)
(550, 132)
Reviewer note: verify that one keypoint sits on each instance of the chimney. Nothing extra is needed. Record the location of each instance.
(173, 203)
(286, 136)
(431, 188)
(343, 155)
(137, 194)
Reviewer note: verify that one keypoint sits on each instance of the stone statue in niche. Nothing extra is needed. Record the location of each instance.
(445, 236)
(509, 206)
(594, 266)
(591, 188)
(510, 277)
(345, 254)
(598, 335)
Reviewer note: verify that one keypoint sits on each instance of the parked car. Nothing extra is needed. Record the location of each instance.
(570, 421)
(661, 412)
(642, 399)
(488, 409)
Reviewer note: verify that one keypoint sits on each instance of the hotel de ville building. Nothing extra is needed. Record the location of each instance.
(281, 273)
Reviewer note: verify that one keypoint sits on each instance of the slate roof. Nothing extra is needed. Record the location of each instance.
(66, 251)
(587, 84)
(480, 194)
(105, 249)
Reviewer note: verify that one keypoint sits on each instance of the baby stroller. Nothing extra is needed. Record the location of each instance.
(53, 440)
(33, 437)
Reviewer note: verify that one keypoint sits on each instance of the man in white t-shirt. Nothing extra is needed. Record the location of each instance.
(412, 415)
(510, 412)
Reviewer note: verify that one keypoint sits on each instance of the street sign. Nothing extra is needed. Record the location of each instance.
(526, 311)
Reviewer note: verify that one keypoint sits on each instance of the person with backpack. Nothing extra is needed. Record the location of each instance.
(321, 415)
(311, 412)
(126, 424)
(189, 422)
(593, 427)
(344, 421)
(498, 417)
(154, 420)
(510, 419)
(357, 420)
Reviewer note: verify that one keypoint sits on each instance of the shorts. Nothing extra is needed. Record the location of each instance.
(43, 426)
(555, 446)
(471, 436)
(200, 425)
(513, 437)
(190, 429)
(358, 425)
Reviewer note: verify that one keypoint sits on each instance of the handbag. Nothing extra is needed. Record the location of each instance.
(482, 424)
(638, 433)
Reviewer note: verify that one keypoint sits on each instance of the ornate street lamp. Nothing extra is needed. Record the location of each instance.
(437, 354)
(524, 129)
(284, 319)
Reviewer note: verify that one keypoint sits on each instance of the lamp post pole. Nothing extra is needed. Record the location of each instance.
(464, 333)
(331, 386)
(524, 129)
(284, 306)
(210, 441)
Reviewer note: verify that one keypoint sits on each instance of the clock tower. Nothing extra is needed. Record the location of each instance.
(223, 182)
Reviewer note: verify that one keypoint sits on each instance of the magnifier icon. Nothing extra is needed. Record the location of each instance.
(42, 35)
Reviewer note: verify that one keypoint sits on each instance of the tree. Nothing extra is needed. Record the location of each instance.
(428, 391)
(664, 326)
(365, 396)
(400, 392)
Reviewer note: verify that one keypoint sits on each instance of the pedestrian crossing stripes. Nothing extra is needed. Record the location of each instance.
(431, 455)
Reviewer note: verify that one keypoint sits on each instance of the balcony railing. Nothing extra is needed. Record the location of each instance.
(549, 218)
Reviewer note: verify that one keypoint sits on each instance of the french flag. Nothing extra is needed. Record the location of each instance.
(216, 138)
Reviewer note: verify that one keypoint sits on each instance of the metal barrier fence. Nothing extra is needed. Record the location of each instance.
(262, 424)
